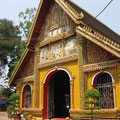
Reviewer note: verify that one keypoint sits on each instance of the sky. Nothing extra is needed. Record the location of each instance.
(10, 9)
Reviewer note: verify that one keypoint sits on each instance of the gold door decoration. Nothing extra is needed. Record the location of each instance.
(70, 46)
(56, 50)
(44, 53)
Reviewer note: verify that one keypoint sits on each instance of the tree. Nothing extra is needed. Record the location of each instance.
(13, 104)
(7, 92)
(26, 21)
(92, 103)
(25, 25)
(13, 64)
(9, 42)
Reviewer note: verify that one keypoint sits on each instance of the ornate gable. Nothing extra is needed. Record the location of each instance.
(97, 54)
(56, 22)
(28, 69)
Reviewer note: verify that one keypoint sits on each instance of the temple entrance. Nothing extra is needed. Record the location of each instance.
(58, 95)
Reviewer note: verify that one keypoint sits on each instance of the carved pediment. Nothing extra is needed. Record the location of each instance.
(56, 22)
(28, 69)
(97, 54)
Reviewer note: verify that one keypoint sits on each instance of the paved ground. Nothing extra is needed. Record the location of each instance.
(3, 116)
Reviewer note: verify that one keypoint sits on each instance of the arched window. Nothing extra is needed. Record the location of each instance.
(26, 96)
(103, 83)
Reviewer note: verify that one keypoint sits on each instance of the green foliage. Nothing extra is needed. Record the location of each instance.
(25, 114)
(12, 116)
(25, 24)
(7, 92)
(93, 115)
(14, 97)
(92, 93)
(9, 42)
(14, 63)
(92, 102)
(13, 104)
(26, 20)
(92, 108)
(118, 110)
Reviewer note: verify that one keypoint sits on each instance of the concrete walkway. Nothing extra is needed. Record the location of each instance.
(3, 116)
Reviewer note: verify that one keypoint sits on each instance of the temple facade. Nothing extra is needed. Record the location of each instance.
(68, 52)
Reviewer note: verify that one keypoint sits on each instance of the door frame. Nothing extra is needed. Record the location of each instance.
(45, 89)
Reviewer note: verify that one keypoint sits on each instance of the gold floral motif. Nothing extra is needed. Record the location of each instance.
(97, 54)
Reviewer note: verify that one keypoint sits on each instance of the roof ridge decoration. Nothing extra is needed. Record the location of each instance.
(102, 40)
(76, 17)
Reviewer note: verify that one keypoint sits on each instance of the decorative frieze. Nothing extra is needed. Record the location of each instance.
(26, 79)
(65, 59)
(99, 66)
(58, 49)
(102, 111)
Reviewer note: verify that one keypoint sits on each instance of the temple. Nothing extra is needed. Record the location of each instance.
(68, 52)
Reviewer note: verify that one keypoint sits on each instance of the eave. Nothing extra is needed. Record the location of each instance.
(25, 55)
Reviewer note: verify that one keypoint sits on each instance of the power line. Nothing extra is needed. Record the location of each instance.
(104, 8)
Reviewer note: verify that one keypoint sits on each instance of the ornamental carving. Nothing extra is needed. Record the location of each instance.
(44, 53)
(56, 22)
(58, 49)
(97, 54)
(28, 69)
(70, 46)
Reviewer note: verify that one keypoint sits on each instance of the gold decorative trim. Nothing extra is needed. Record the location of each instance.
(32, 110)
(100, 66)
(26, 79)
(105, 111)
(76, 17)
(56, 38)
(65, 59)
(98, 38)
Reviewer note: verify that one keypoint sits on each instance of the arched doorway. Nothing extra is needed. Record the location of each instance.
(56, 103)
(103, 83)
(26, 96)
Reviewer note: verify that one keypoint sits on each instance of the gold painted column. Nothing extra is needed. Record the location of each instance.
(118, 67)
(36, 78)
(81, 62)
(71, 93)
(18, 88)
